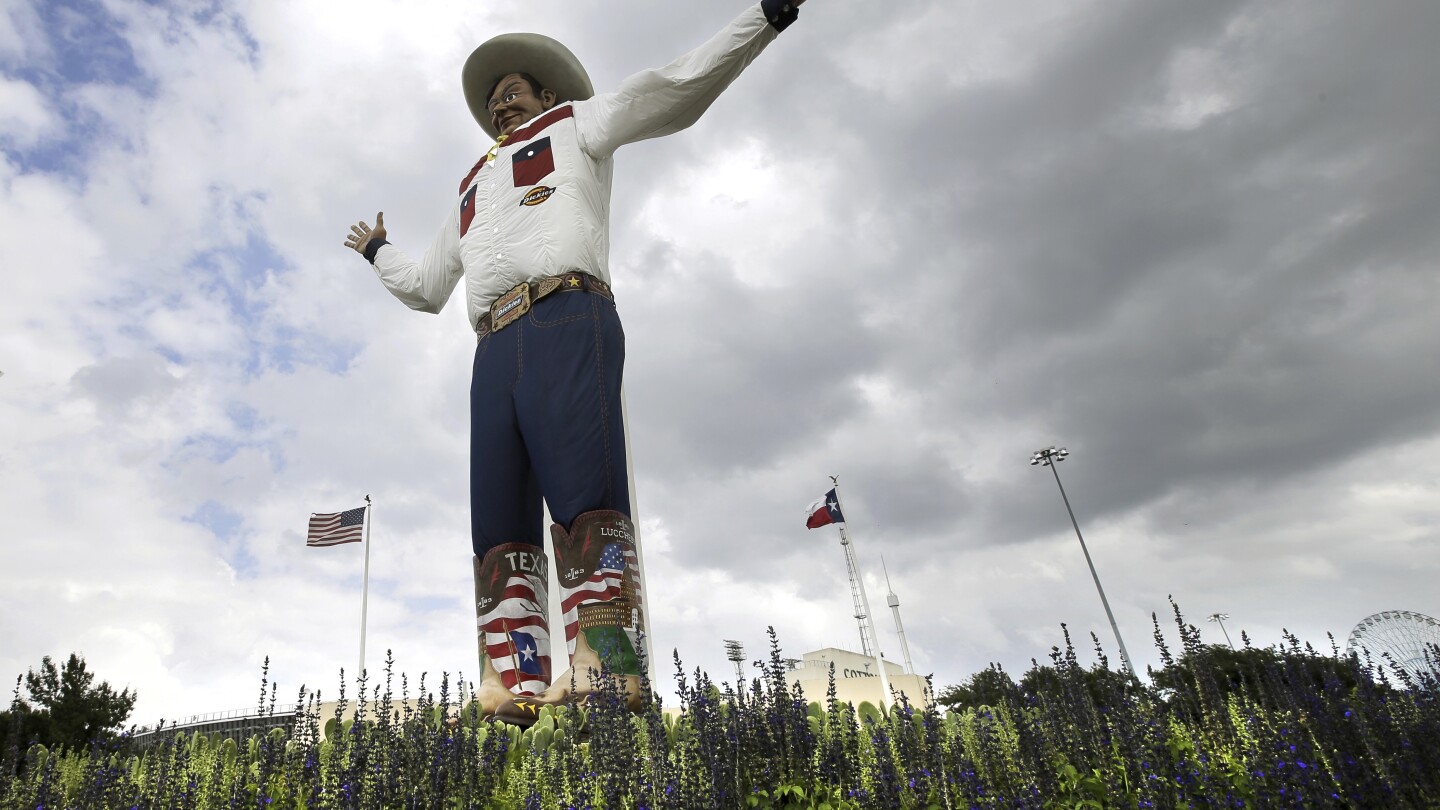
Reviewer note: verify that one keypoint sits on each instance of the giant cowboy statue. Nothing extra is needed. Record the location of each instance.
(529, 231)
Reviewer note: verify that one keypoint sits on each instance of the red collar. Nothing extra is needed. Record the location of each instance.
(534, 128)
(522, 135)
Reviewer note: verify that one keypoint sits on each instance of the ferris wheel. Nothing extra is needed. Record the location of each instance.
(1404, 637)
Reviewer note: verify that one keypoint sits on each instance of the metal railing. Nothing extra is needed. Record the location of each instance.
(285, 711)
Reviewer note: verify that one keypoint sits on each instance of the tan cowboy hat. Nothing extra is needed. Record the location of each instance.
(548, 61)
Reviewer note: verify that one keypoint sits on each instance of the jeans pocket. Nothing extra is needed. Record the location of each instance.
(561, 308)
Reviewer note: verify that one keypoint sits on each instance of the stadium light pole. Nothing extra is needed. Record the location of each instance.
(1049, 457)
(1219, 618)
(735, 652)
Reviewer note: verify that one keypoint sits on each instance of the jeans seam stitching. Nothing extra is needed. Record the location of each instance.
(519, 358)
(604, 403)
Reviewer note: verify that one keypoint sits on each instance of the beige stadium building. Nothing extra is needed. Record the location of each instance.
(856, 678)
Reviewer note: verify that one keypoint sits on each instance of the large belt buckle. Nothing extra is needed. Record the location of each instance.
(508, 308)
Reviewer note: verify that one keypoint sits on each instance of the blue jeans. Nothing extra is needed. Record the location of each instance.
(545, 420)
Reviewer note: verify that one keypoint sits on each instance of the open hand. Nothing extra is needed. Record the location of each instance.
(361, 233)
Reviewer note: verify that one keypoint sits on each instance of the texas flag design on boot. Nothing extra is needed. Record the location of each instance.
(511, 591)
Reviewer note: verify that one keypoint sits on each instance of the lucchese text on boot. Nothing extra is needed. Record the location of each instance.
(621, 532)
(588, 542)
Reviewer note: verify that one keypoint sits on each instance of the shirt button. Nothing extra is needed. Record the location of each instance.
(499, 256)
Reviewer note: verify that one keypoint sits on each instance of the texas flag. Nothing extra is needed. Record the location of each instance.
(824, 511)
(527, 652)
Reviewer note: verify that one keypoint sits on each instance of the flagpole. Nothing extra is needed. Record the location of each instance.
(864, 599)
(365, 588)
(645, 595)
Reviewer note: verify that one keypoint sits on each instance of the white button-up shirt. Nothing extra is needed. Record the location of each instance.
(542, 206)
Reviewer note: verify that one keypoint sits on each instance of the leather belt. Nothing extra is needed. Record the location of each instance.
(509, 307)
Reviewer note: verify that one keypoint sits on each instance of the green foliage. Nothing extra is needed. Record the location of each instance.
(1077, 790)
(19, 727)
(65, 707)
(797, 797)
(1101, 685)
(985, 688)
(1229, 670)
(1062, 737)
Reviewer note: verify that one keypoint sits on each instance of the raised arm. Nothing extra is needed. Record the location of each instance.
(425, 285)
(668, 99)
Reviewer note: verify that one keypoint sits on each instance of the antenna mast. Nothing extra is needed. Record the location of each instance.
(862, 602)
(895, 609)
(861, 617)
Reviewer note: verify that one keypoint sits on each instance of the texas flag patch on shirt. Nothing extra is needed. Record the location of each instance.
(467, 210)
(532, 162)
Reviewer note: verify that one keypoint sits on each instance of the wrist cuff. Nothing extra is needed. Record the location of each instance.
(780, 13)
(372, 247)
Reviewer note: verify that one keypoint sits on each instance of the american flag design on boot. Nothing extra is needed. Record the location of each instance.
(511, 595)
(598, 566)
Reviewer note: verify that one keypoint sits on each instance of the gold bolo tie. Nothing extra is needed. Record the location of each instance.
(494, 150)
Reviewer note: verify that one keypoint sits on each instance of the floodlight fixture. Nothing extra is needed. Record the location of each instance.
(1048, 456)
(1219, 618)
(736, 654)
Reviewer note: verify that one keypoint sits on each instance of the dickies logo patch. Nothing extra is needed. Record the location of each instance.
(537, 195)
(532, 162)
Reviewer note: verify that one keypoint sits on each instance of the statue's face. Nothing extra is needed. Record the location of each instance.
(514, 103)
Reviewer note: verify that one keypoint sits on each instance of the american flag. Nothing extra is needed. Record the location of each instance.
(617, 562)
(334, 528)
(517, 640)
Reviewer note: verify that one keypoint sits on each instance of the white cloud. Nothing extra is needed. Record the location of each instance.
(25, 118)
(20, 38)
(193, 363)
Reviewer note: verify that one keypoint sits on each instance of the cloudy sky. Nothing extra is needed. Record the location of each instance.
(1193, 243)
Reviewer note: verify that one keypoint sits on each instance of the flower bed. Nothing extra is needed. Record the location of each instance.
(1284, 735)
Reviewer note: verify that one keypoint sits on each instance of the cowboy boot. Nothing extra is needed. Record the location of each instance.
(512, 624)
(600, 594)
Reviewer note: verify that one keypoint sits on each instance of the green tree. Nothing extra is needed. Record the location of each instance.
(20, 725)
(67, 706)
(1231, 670)
(988, 687)
(1104, 687)
(1264, 673)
